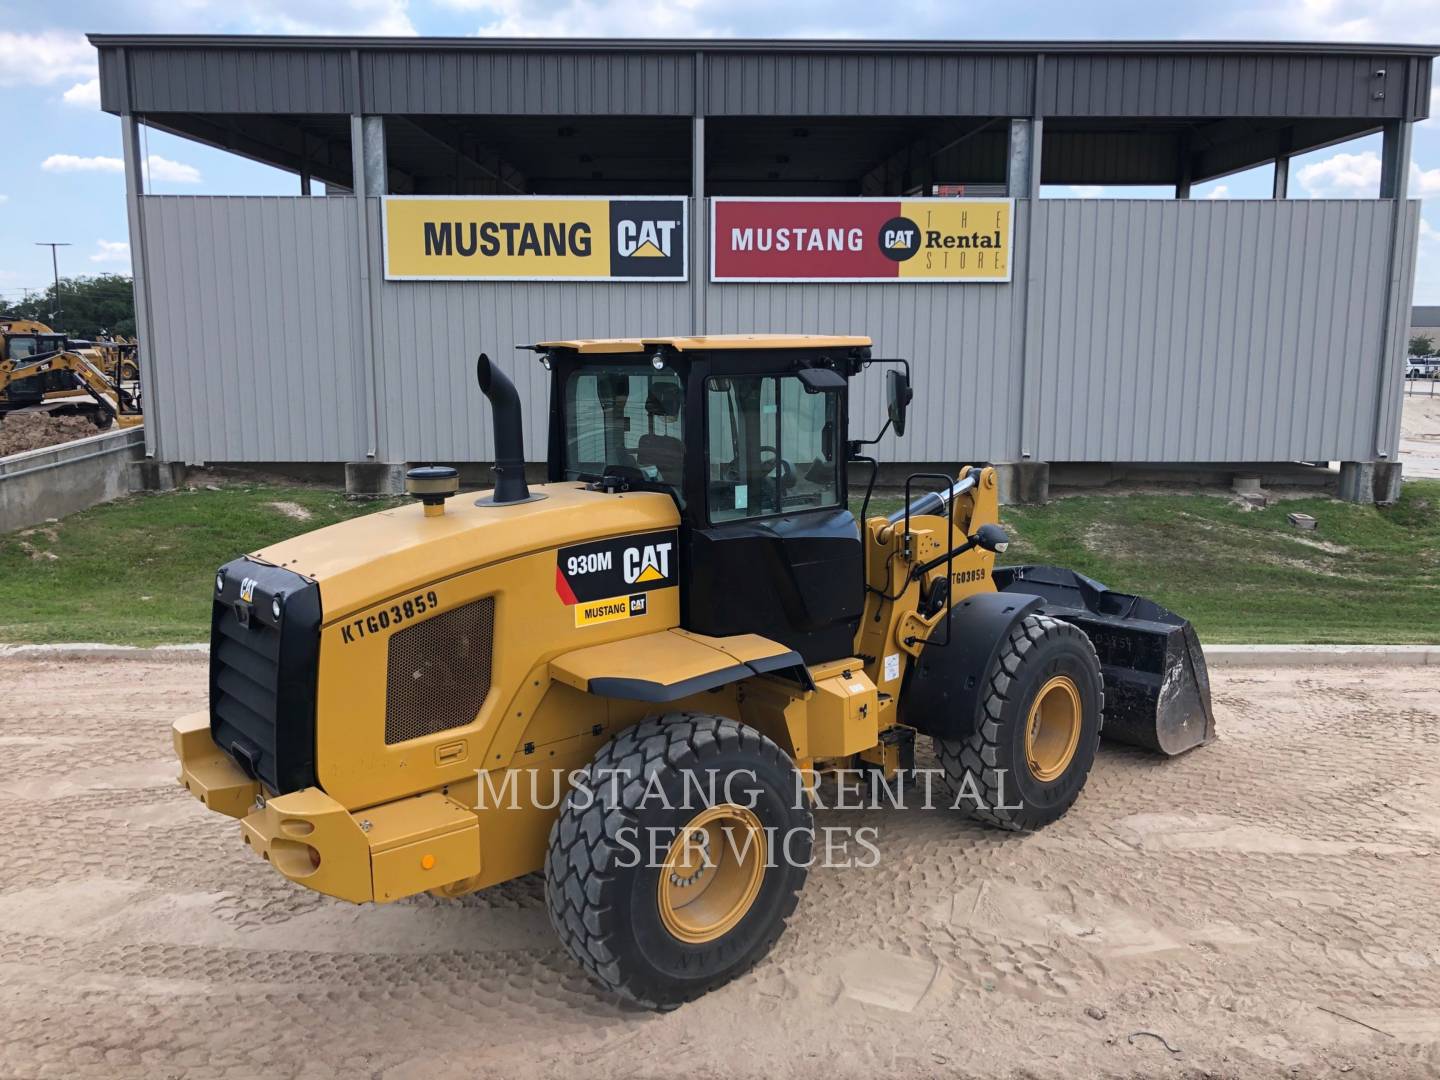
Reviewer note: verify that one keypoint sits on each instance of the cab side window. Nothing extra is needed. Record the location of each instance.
(772, 447)
(623, 415)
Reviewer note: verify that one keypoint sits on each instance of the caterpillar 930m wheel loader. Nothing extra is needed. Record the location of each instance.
(618, 677)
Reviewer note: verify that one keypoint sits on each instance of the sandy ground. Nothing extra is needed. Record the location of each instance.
(1267, 906)
(1420, 430)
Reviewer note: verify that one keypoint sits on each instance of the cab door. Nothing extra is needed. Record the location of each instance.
(772, 546)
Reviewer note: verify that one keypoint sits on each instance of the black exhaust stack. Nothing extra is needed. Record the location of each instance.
(510, 486)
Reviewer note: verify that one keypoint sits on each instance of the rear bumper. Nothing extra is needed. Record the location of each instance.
(417, 844)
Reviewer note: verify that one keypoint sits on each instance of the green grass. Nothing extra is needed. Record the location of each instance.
(1367, 575)
(138, 571)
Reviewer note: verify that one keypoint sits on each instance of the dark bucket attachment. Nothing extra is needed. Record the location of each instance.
(1157, 688)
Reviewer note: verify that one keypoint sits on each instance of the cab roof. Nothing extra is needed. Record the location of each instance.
(601, 346)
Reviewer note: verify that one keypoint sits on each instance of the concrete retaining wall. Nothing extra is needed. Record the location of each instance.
(60, 480)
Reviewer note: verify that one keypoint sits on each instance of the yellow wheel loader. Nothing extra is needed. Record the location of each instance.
(627, 678)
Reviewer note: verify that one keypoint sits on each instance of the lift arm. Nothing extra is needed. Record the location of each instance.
(114, 401)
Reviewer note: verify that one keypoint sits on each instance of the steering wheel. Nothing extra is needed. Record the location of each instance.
(785, 474)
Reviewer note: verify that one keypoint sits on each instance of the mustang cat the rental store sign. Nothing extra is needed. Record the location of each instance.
(907, 240)
(534, 238)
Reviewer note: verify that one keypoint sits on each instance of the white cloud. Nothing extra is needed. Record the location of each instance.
(66, 163)
(1342, 176)
(1351, 175)
(174, 172)
(158, 168)
(46, 57)
(4, 198)
(111, 251)
(86, 94)
(603, 18)
(1220, 191)
(1423, 182)
(1428, 233)
(386, 18)
(1338, 20)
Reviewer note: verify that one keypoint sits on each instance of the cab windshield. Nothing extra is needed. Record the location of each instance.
(627, 416)
(19, 348)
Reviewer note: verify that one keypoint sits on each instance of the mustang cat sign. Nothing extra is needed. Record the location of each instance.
(530, 238)
(907, 240)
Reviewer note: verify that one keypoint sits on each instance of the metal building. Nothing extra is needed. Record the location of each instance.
(1157, 331)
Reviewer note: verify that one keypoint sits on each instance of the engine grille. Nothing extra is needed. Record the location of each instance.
(245, 666)
(439, 672)
(262, 673)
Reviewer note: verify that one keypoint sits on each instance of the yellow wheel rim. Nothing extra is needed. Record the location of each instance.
(1052, 730)
(712, 873)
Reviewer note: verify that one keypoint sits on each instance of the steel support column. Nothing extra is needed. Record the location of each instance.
(1281, 189)
(699, 238)
(1022, 172)
(139, 267)
(1394, 185)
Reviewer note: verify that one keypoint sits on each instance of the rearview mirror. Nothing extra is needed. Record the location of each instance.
(992, 538)
(897, 394)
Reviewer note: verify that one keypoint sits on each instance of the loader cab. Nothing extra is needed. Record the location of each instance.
(748, 435)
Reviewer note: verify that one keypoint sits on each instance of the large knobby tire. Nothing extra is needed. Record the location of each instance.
(1039, 728)
(630, 919)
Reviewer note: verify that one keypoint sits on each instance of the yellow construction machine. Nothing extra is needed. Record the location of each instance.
(45, 371)
(629, 677)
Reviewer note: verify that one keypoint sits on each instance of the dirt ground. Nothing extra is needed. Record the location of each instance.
(33, 431)
(1265, 906)
(1420, 430)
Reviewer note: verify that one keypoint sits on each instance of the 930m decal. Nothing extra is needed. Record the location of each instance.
(401, 611)
(608, 579)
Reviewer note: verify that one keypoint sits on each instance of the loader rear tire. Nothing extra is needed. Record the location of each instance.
(1039, 729)
(633, 904)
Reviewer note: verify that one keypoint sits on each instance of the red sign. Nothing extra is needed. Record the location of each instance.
(860, 239)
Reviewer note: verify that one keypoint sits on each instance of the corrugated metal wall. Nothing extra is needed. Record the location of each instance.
(474, 83)
(939, 79)
(1155, 331)
(777, 84)
(255, 323)
(1208, 330)
(230, 80)
(1210, 84)
(430, 332)
(963, 343)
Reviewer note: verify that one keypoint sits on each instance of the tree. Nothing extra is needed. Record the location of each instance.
(1421, 345)
(88, 307)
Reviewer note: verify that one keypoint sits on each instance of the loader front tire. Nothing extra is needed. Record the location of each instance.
(1039, 729)
(677, 858)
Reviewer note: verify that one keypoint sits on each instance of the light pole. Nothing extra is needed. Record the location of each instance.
(53, 245)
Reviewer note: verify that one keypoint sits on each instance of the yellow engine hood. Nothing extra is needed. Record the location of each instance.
(361, 562)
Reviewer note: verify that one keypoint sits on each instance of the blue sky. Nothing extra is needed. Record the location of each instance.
(63, 183)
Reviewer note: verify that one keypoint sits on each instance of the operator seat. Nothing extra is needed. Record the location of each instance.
(665, 452)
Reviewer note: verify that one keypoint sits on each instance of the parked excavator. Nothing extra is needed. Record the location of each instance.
(44, 371)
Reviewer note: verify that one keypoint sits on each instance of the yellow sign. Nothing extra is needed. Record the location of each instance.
(611, 610)
(955, 239)
(533, 238)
